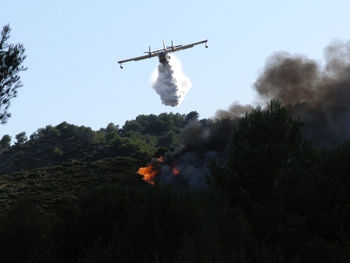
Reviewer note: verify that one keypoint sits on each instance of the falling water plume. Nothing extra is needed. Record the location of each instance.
(170, 83)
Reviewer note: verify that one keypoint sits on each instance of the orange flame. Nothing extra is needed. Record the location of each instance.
(148, 173)
(176, 171)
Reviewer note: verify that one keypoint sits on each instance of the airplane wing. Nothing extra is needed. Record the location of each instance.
(178, 48)
(138, 58)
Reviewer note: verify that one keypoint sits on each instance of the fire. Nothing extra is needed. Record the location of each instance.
(148, 173)
(176, 171)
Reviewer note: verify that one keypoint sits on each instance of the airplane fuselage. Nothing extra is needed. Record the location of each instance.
(163, 57)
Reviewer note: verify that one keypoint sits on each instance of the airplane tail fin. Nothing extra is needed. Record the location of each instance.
(149, 50)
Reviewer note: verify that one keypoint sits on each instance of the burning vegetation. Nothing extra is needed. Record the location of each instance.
(149, 173)
(155, 169)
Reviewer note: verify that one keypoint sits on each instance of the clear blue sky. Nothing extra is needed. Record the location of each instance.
(72, 50)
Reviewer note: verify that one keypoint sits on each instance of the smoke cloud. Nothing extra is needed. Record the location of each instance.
(318, 95)
(169, 81)
(202, 141)
(235, 111)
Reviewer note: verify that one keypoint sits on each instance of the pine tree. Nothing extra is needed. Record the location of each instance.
(11, 59)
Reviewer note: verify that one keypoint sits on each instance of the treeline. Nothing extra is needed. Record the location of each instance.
(274, 198)
(141, 138)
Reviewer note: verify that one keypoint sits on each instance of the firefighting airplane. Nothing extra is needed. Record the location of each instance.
(163, 53)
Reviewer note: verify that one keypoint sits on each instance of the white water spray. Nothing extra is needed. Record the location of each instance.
(170, 83)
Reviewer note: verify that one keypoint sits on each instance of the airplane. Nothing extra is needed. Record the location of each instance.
(163, 53)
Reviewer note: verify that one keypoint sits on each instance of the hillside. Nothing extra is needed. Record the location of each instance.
(51, 186)
(249, 189)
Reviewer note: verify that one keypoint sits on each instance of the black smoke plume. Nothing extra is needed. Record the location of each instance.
(318, 95)
(202, 141)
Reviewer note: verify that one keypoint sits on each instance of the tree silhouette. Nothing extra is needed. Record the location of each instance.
(5, 142)
(11, 59)
(21, 138)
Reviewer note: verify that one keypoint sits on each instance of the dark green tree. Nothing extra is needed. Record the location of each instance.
(5, 142)
(11, 59)
(192, 116)
(111, 131)
(264, 142)
(21, 138)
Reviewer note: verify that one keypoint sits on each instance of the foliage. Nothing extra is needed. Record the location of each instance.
(271, 198)
(293, 195)
(23, 230)
(264, 143)
(5, 142)
(140, 138)
(11, 59)
(50, 186)
(20, 138)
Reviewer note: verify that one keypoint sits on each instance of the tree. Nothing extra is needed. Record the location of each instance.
(192, 116)
(111, 131)
(21, 138)
(5, 142)
(264, 142)
(11, 59)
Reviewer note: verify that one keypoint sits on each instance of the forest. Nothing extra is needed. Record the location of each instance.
(71, 194)
(254, 184)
